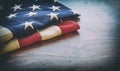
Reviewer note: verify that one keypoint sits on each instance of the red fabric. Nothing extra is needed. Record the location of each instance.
(68, 26)
(30, 39)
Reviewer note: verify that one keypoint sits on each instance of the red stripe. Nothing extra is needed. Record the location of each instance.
(68, 26)
(30, 39)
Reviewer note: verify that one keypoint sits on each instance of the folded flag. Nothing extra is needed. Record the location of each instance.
(45, 34)
(20, 18)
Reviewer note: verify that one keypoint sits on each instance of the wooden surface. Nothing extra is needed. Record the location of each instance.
(95, 47)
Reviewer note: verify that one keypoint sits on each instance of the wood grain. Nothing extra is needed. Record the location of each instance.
(95, 47)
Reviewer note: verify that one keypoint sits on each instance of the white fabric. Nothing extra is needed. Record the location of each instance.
(50, 32)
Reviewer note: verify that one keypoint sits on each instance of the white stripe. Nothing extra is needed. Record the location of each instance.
(10, 46)
(5, 34)
(50, 32)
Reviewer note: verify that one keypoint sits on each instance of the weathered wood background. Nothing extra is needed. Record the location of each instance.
(95, 47)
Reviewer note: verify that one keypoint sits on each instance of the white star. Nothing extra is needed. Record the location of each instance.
(54, 8)
(53, 15)
(61, 20)
(11, 16)
(55, 0)
(34, 7)
(28, 24)
(75, 12)
(16, 7)
(31, 14)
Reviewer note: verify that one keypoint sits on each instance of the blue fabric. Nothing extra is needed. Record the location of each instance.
(41, 20)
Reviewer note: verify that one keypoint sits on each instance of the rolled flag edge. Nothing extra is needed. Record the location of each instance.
(48, 33)
(10, 46)
(5, 34)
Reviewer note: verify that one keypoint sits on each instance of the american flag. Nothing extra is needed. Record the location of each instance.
(45, 34)
(24, 17)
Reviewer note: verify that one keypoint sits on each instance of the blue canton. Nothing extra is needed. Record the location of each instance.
(24, 17)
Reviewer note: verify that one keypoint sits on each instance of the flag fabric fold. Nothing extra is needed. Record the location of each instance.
(21, 18)
(45, 34)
